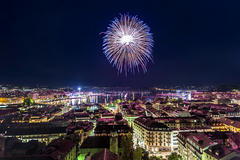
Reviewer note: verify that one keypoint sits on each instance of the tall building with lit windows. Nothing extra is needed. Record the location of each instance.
(159, 135)
(153, 136)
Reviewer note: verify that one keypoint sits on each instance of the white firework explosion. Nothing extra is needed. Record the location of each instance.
(128, 43)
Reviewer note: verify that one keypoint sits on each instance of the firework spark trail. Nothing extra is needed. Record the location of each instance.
(128, 43)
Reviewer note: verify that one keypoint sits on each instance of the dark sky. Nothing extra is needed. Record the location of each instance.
(58, 43)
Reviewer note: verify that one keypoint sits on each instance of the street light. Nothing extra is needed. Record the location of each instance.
(79, 89)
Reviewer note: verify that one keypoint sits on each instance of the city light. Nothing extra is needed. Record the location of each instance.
(81, 81)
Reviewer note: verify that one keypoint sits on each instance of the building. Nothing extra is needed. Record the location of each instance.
(196, 144)
(81, 128)
(59, 149)
(42, 132)
(11, 100)
(62, 149)
(153, 136)
(131, 112)
(106, 155)
(37, 114)
(207, 146)
(108, 126)
(159, 135)
(226, 124)
(98, 144)
(220, 152)
(12, 149)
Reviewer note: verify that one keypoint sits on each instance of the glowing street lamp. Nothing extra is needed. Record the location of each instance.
(79, 89)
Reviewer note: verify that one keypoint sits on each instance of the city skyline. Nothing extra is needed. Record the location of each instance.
(119, 80)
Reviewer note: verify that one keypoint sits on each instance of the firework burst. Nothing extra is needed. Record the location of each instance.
(128, 43)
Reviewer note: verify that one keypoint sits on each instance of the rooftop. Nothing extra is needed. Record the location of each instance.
(105, 155)
(218, 151)
(200, 139)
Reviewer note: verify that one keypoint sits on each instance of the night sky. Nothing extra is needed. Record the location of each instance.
(57, 43)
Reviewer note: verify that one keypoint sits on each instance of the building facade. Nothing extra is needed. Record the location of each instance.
(159, 135)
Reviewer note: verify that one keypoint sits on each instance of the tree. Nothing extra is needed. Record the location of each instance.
(28, 101)
(145, 155)
(155, 158)
(127, 146)
(174, 156)
(137, 153)
(167, 99)
(118, 101)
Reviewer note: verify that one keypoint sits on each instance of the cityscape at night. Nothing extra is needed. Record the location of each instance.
(119, 80)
